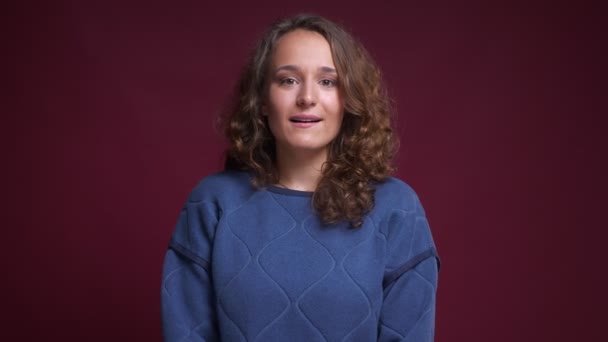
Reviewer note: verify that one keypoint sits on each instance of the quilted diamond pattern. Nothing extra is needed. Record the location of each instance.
(362, 265)
(293, 326)
(252, 287)
(251, 290)
(322, 305)
(296, 249)
(260, 228)
(278, 274)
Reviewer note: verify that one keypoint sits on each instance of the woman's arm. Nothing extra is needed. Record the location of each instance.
(187, 301)
(410, 277)
(187, 296)
(408, 312)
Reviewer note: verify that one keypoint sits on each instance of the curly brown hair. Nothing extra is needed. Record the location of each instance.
(359, 156)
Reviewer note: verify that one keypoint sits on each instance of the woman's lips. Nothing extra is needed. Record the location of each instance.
(304, 120)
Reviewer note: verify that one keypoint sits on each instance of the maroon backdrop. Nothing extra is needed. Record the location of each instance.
(107, 125)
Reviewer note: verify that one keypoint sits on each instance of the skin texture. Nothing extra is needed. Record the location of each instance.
(303, 81)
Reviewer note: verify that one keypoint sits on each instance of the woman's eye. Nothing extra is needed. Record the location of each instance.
(288, 81)
(328, 83)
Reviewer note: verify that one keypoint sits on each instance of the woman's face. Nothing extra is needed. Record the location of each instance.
(304, 104)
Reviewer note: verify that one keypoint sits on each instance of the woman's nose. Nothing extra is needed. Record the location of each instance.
(306, 97)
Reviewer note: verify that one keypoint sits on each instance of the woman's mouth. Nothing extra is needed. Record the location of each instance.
(304, 119)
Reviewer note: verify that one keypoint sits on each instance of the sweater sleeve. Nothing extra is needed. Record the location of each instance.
(187, 296)
(410, 278)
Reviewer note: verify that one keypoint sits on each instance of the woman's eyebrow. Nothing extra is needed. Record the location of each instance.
(288, 67)
(291, 67)
(328, 70)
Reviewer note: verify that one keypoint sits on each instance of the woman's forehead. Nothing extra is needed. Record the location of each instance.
(303, 49)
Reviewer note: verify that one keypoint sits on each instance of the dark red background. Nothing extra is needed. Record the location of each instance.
(108, 125)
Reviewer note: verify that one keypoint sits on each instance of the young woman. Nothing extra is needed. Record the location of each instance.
(304, 236)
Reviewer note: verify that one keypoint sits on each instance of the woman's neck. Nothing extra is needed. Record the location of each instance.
(300, 170)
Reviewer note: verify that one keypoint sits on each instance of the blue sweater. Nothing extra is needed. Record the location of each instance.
(258, 265)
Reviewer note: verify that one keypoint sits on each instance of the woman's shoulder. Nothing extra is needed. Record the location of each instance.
(395, 197)
(222, 186)
(402, 221)
(396, 194)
